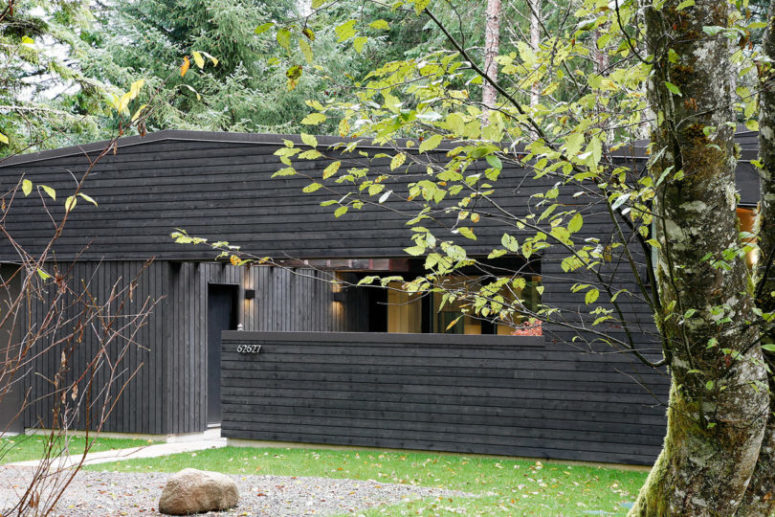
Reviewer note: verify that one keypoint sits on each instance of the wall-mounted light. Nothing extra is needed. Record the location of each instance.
(250, 294)
(340, 296)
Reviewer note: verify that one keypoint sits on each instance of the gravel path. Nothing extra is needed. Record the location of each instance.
(94, 494)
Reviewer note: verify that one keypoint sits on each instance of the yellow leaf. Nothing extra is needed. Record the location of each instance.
(397, 161)
(134, 90)
(137, 113)
(50, 191)
(313, 119)
(198, 59)
(70, 203)
(211, 58)
(88, 198)
(331, 169)
(234, 259)
(185, 66)
(3, 139)
(380, 25)
(26, 187)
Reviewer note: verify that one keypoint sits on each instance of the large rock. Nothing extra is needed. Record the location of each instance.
(197, 491)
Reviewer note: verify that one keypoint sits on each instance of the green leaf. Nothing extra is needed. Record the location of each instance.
(284, 38)
(494, 161)
(359, 43)
(312, 187)
(573, 144)
(510, 243)
(318, 3)
(309, 140)
(263, 28)
(87, 198)
(26, 187)
(591, 296)
(683, 5)
(576, 222)
(345, 31)
(339, 212)
(314, 119)
(467, 233)
(712, 30)
(70, 203)
(430, 143)
(380, 25)
(415, 251)
(306, 49)
(42, 274)
(456, 124)
(769, 348)
(332, 169)
(673, 88)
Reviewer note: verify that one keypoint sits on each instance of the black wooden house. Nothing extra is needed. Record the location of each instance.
(342, 366)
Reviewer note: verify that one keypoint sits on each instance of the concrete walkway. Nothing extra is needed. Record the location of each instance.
(146, 451)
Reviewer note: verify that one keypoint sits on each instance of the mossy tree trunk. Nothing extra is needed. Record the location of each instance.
(717, 407)
(760, 497)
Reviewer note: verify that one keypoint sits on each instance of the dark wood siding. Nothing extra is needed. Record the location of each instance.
(222, 191)
(477, 394)
(168, 394)
(141, 407)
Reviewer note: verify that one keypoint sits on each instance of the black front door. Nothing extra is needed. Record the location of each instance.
(221, 315)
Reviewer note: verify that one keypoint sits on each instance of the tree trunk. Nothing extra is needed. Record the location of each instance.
(491, 49)
(535, 42)
(717, 410)
(760, 498)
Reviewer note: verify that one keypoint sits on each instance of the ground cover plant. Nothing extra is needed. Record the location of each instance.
(24, 447)
(503, 486)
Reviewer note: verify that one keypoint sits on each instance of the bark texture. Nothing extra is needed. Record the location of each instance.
(491, 49)
(717, 414)
(535, 41)
(760, 498)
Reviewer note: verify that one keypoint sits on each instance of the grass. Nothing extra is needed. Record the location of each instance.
(503, 486)
(31, 447)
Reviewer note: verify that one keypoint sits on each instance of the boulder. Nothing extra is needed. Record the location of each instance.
(198, 491)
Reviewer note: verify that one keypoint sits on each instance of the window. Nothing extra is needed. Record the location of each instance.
(430, 312)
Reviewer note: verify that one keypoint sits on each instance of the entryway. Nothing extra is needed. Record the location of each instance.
(222, 303)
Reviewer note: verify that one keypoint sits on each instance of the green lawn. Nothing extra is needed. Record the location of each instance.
(505, 486)
(23, 447)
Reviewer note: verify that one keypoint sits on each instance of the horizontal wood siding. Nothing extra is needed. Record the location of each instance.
(225, 191)
(506, 395)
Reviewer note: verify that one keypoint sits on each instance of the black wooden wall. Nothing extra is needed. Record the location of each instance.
(143, 407)
(218, 186)
(507, 395)
(168, 394)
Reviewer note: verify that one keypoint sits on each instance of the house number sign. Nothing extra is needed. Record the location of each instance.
(248, 349)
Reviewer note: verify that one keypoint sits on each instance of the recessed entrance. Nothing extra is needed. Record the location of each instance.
(221, 315)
